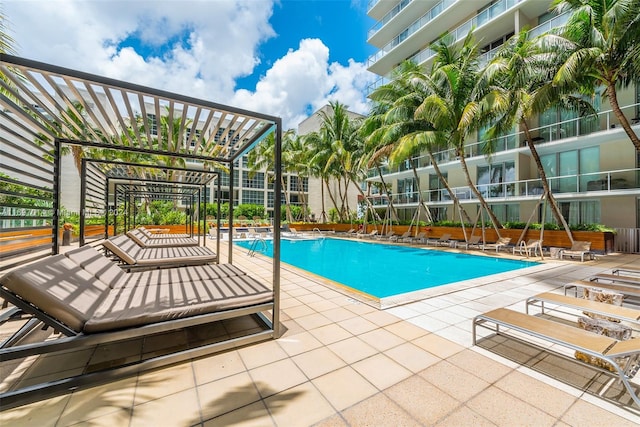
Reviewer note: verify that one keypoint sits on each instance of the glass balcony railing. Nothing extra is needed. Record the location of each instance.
(371, 3)
(411, 29)
(393, 12)
(580, 126)
(458, 33)
(604, 181)
(545, 27)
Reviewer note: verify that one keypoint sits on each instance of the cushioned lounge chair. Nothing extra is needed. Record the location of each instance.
(502, 243)
(387, 236)
(629, 280)
(167, 242)
(87, 298)
(369, 235)
(626, 270)
(161, 233)
(569, 337)
(578, 249)
(473, 242)
(529, 248)
(401, 238)
(628, 290)
(421, 237)
(553, 301)
(444, 240)
(134, 256)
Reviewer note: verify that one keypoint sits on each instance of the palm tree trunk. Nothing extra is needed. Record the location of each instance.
(386, 191)
(323, 214)
(452, 195)
(368, 202)
(287, 204)
(332, 197)
(545, 184)
(613, 99)
(483, 203)
(420, 199)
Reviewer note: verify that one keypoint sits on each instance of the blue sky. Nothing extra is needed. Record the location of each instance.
(281, 57)
(341, 24)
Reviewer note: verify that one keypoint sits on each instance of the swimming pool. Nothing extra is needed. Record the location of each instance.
(384, 270)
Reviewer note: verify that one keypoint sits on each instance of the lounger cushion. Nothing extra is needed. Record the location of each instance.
(91, 260)
(60, 288)
(149, 242)
(123, 247)
(132, 254)
(137, 306)
(181, 275)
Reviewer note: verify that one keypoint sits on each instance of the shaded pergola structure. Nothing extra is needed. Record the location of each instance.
(128, 141)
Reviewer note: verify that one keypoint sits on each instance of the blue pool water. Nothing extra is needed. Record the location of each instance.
(385, 270)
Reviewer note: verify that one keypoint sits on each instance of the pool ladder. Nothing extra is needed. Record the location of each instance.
(258, 245)
(317, 230)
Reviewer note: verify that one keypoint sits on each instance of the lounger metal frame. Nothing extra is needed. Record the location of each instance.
(621, 374)
(73, 340)
(560, 301)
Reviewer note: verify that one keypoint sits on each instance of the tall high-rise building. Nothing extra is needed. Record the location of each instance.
(591, 164)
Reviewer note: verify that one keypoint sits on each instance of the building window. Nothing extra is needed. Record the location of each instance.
(497, 180)
(407, 190)
(299, 184)
(567, 165)
(436, 189)
(506, 212)
(253, 197)
(152, 122)
(255, 180)
(578, 212)
(224, 178)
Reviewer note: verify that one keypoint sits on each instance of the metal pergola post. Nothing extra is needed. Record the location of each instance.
(83, 198)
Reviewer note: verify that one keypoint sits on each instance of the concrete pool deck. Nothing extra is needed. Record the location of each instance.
(341, 362)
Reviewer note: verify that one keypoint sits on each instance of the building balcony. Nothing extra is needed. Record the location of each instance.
(460, 32)
(595, 184)
(569, 131)
(481, 19)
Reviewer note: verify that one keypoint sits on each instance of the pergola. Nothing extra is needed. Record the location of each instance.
(46, 108)
(128, 141)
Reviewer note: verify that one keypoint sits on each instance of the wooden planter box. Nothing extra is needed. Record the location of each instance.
(600, 241)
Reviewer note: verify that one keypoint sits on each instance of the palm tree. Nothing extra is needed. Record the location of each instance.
(396, 133)
(262, 157)
(459, 102)
(524, 72)
(338, 145)
(603, 38)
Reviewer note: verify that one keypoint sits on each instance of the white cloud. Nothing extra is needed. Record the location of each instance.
(206, 47)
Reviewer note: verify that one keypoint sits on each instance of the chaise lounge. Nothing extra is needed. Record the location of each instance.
(86, 297)
(579, 248)
(500, 244)
(607, 349)
(444, 240)
(144, 241)
(134, 256)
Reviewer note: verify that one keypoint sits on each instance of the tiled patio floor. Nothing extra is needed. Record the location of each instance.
(341, 362)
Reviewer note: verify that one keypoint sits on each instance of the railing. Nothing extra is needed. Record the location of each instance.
(258, 245)
(579, 126)
(604, 181)
(427, 53)
(371, 3)
(458, 33)
(393, 12)
(411, 29)
(556, 21)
